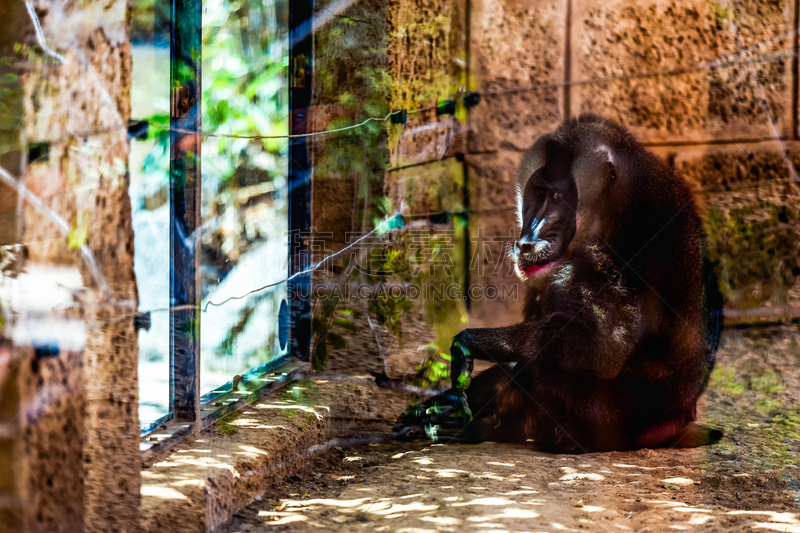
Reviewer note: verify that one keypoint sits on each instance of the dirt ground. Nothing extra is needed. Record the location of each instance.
(750, 481)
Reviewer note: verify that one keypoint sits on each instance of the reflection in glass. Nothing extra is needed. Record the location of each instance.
(149, 190)
(244, 191)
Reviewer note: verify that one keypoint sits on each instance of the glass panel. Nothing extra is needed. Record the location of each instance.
(149, 190)
(244, 192)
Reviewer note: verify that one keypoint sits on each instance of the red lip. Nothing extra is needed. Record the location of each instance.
(534, 269)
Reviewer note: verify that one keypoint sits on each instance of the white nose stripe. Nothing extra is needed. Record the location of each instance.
(537, 228)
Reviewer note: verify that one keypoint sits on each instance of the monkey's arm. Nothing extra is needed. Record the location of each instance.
(499, 345)
(582, 335)
(592, 338)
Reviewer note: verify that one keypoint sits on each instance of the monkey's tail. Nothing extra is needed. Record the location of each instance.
(678, 434)
(695, 435)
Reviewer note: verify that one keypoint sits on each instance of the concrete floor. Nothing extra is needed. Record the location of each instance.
(750, 481)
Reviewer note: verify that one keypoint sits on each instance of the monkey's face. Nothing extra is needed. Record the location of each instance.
(547, 207)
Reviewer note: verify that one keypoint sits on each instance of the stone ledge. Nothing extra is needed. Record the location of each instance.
(198, 485)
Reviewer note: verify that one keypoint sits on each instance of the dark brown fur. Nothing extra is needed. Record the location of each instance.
(619, 334)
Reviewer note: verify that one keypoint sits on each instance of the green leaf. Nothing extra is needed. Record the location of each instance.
(78, 230)
(383, 204)
(319, 357)
(337, 342)
(345, 324)
(350, 312)
(432, 432)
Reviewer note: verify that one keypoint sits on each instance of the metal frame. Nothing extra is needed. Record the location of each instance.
(300, 92)
(189, 411)
(185, 113)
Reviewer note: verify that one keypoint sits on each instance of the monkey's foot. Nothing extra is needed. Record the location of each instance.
(448, 410)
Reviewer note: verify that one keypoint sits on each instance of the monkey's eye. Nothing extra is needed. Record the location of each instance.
(558, 195)
(540, 192)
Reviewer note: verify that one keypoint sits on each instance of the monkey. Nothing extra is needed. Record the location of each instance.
(622, 316)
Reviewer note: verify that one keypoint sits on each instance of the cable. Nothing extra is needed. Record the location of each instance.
(387, 225)
(291, 136)
(471, 99)
(393, 222)
(40, 35)
(401, 112)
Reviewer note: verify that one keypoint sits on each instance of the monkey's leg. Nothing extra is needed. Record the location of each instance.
(450, 408)
(579, 413)
(502, 410)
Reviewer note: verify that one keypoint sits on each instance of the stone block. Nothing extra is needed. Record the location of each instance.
(428, 188)
(680, 40)
(516, 44)
(426, 50)
(201, 482)
(51, 438)
(428, 64)
(427, 139)
(750, 206)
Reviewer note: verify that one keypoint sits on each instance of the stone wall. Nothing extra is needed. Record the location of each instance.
(709, 86)
(70, 398)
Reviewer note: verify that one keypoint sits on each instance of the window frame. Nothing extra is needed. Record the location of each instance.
(189, 411)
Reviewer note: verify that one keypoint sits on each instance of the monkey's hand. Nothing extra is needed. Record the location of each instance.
(448, 410)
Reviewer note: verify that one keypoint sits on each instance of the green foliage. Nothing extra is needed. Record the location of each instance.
(389, 310)
(724, 379)
(226, 348)
(722, 14)
(226, 426)
(767, 383)
(756, 248)
(11, 98)
(245, 68)
(434, 369)
(300, 393)
(78, 230)
(432, 432)
(324, 324)
(191, 329)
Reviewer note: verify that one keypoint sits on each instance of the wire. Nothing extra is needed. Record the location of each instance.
(291, 136)
(384, 225)
(40, 35)
(765, 58)
(711, 65)
(295, 135)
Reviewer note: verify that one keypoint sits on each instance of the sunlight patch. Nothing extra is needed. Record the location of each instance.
(485, 501)
(165, 493)
(326, 501)
(679, 481)
(441, 520)
(570, 474)
(506, 513)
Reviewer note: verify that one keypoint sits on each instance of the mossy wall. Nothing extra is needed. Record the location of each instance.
(69, 400)
(706, 85)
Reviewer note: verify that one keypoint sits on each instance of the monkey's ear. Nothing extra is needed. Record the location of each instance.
(594, 169)
(606, 153)
(534, 159)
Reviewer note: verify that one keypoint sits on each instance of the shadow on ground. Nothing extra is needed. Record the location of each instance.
(748, 482)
